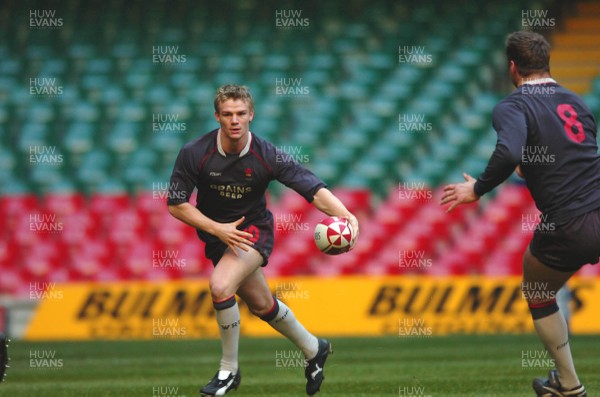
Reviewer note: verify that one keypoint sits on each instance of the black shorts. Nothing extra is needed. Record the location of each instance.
(568, 246)
(263, 239)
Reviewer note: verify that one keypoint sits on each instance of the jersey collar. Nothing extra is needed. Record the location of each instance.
(544, 80)
(244, 151)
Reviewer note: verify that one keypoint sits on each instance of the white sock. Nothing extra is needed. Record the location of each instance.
(229, 328)
(554, 334)
(286, 324)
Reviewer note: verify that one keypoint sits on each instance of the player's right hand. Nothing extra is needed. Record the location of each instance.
(232, 236)
(459, 193)
(518, 171)
(354, 223)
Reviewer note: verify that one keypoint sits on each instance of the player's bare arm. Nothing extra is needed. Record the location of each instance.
(226, 232)
(460, 193)
(326, 202)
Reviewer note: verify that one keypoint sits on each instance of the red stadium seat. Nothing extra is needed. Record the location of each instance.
(63, 203)
(293, 202)
(13, 282)
(105, 203)
(390, 219)
(124, 227)
(18, 203)
(357, 201)
(79, 228)
(192, 251)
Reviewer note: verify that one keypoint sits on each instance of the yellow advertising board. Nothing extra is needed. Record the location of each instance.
(345, 306)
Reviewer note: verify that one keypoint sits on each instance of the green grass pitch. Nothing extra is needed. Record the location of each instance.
(437, 366)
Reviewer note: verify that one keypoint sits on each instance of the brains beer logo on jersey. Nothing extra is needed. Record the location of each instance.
(231, 191)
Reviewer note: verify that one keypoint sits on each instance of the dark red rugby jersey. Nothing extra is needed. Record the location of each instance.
(233, 185)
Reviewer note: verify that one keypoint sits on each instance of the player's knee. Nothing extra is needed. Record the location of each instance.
(220, 290)
(540, 299)
(263, 308)
(543, 309)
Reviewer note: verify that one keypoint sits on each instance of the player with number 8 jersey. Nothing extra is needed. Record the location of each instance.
(548, 136)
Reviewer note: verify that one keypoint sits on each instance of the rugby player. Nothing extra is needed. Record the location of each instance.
(231, 167)
(542, 116)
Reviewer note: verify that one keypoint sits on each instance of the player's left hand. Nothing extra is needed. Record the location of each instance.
(460, 193)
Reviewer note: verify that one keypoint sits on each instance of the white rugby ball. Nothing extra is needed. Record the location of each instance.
(333, 235)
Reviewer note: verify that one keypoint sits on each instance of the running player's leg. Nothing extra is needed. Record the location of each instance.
(255, 292)
(226, 278)
(540, 286)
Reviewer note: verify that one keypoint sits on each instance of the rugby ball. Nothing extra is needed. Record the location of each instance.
(333, 235)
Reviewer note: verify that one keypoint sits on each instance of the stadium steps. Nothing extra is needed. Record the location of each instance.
(575, 59)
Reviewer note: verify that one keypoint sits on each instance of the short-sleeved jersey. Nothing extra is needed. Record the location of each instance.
(233, 185)
(551, 134)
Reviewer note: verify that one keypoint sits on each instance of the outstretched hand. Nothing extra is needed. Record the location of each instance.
(460, 193)
(232, 236)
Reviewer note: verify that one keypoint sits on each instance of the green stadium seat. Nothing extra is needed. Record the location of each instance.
(12, 186)
(8, 164)
(384, 153)
(32, 134)
(167, 142)
(123, 139)
(93, 165)
(41, 112)
(79, 138)
(43, 176)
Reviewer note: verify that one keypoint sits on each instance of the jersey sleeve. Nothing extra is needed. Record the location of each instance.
(294, 175)
(183, 178)
(511, 126)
